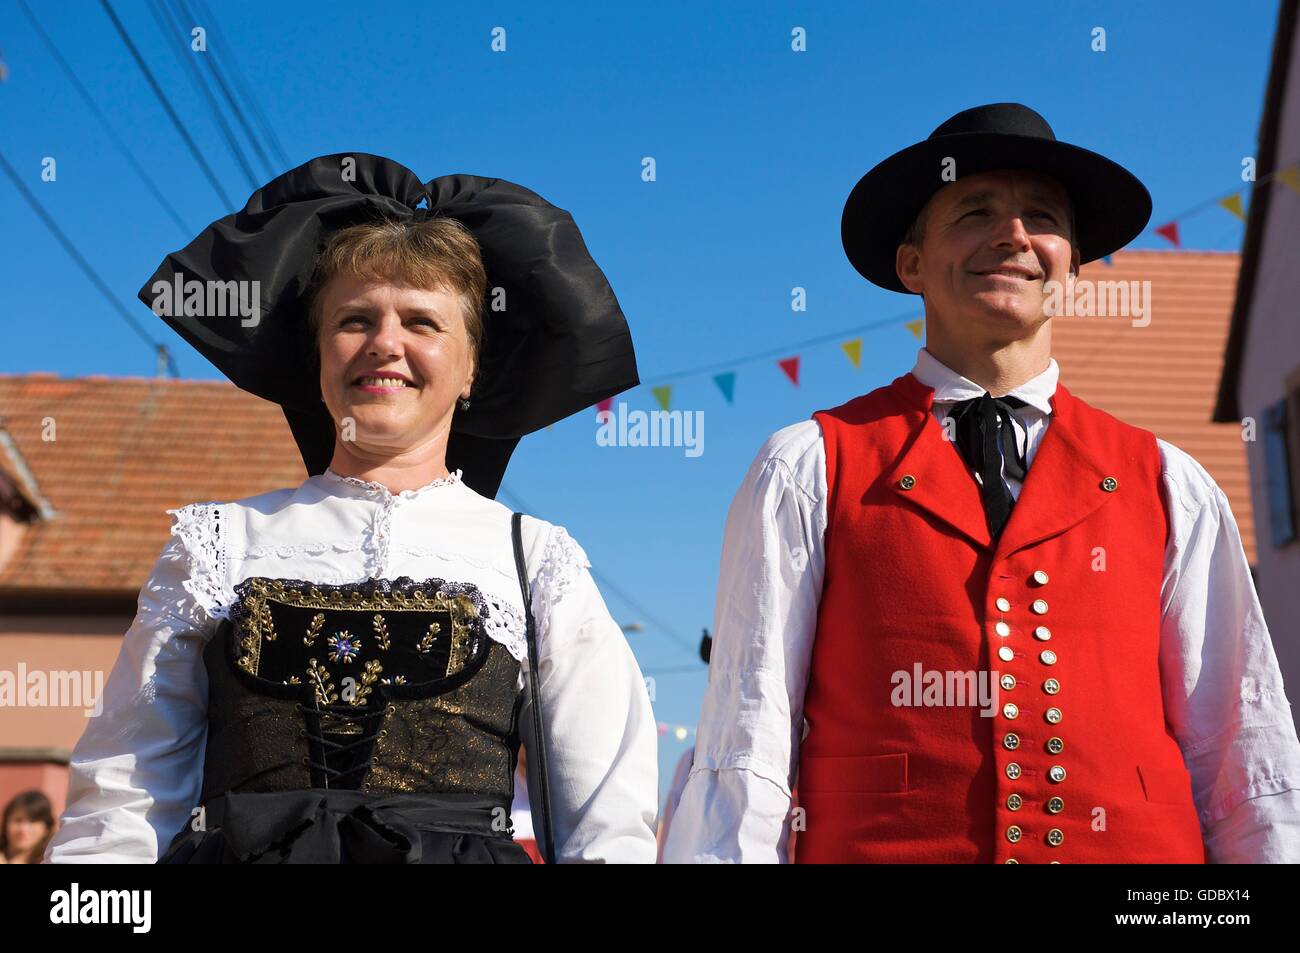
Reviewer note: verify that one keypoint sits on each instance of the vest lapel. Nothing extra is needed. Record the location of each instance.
(1063, 486)
(944, 486)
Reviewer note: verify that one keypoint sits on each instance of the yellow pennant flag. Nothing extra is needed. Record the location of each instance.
(854, 350)
(1290, 177)
(1233, 204)
(916, 327)
(663, 395)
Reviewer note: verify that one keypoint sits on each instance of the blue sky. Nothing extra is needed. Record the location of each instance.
(756, 147)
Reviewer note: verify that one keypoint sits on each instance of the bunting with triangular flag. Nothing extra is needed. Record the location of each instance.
(727, 384)
(1170, 231)
(854, 350)
(791, 367)
(663, 394)
(1233, 204)
(916, 327)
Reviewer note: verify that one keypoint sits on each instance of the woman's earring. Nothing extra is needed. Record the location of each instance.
(464, 403)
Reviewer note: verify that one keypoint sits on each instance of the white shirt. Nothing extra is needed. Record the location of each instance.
(1222, 686)
(136, 772)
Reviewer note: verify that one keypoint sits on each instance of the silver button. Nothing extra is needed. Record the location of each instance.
(1055, 745)
(1006, 654)
(1109, 484)
(1042, 633)
(1013, 770)
(1053, 716)
(1055, 836)
(1011, 741)
(1012, 860)
(1008, 682)
(1055, 805)
(907, 482)
(1040, 577)
(1056, 774)
(1047, 656)
(1013, 834)
(1003, 604)
(1002, 629)
(1039, 607)
(1010, 710)
(1051, 686)
(1013, 802)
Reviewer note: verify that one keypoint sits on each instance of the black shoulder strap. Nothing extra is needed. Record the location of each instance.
(537, 746)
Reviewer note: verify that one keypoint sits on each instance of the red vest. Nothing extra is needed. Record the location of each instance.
(1082, 767)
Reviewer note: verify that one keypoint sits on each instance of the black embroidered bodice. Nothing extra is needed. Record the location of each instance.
(379, 686)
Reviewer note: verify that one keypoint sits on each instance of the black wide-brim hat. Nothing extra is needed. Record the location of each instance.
(1111, 207)
(561, 344)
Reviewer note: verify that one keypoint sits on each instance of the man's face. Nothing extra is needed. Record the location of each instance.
(990, 243)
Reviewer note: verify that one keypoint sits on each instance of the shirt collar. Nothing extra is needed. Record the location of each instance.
(378, 491)
(950, 386)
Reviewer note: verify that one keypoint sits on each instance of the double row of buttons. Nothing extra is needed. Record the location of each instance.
(1011, 711)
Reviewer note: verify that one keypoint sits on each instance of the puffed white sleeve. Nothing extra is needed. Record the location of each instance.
(136, 771)
(735, 807)
(1224, 697)
(598, 726)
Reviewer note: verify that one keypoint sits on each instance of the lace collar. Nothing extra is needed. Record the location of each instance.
(378, 489)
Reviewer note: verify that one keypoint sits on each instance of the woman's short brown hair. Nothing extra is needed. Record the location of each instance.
(434, 253)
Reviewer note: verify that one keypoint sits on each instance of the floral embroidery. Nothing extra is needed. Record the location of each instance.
(426, 644)
(368, 678)
(345, 646)
(381, 632)
(313, 630)
(319, 678)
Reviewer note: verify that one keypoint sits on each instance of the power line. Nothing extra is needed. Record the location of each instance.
(268, 130)
(164, 16)
(606, 584)
(98, 282)
(103, 121)
(167, 107)
(214, 67)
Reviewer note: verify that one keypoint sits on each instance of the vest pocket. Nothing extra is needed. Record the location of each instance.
(854, 774)
(1165, 785)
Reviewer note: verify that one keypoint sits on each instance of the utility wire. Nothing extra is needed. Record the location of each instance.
(171, 30)
(103, 121)
(213, 62)
(606, 583)
(85, 266)
(268, 130)
(226, 203)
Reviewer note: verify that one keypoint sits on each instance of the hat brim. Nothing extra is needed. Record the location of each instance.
(1111, 206)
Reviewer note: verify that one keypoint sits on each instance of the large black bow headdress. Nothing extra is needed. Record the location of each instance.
(561, 343)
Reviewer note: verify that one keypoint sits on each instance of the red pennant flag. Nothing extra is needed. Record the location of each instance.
(603, 406)
(791, 367)
(1170, 232)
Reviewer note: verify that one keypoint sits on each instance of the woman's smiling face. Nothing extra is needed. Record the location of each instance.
(373, 333)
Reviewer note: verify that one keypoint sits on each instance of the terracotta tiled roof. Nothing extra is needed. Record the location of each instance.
(126, 450)
(1164, 377)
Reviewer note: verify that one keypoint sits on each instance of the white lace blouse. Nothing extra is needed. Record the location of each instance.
(136, 773)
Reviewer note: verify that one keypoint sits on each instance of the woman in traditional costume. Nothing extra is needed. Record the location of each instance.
(344, 671)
